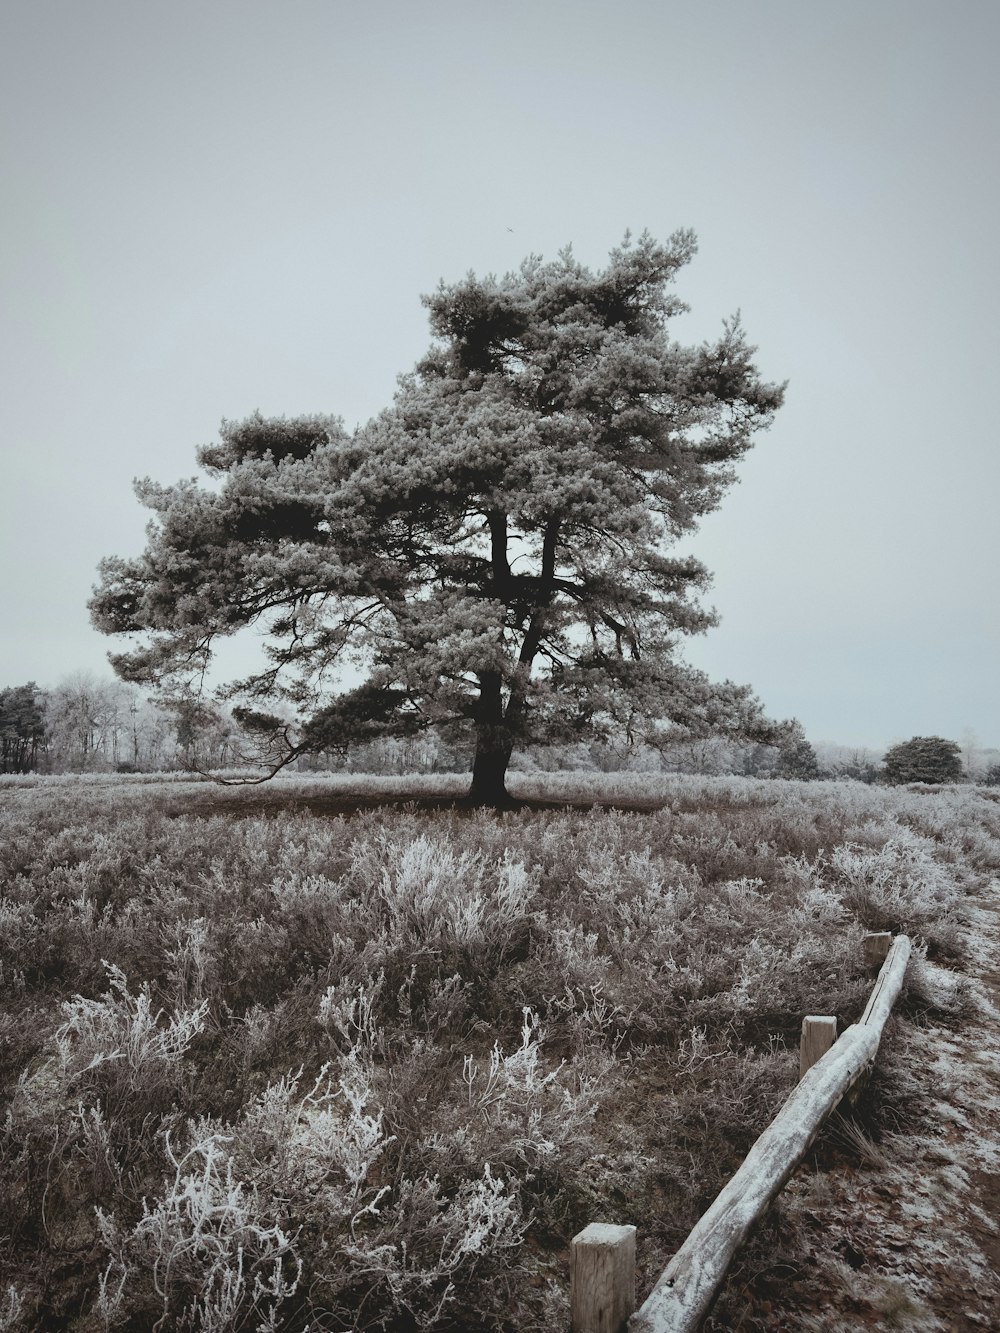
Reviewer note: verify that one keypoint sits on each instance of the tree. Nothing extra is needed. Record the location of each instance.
(973, 764)
(491, 551)
(857, 762)
(923, 759)
(796, 757)
(85, 722)
(22, 728)
(206, 736)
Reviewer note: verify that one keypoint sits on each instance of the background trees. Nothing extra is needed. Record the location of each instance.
(22, 728)
(924, 759)
(492, 551)
(87, 724)
(856, 762)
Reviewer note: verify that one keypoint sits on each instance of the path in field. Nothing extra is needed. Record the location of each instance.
(945, 1217)
(912, 1242)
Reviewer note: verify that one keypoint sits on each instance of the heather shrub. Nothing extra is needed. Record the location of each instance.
(203, 1248)
(272, 1069)
(900, 888)
(114, 1048)
(302, 1189)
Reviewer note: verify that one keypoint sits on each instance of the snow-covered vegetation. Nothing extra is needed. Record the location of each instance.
(270, 1068)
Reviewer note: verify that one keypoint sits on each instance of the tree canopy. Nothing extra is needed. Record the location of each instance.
(492, 551)
(924, 759)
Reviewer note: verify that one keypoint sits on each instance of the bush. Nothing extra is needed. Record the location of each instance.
(923, 759)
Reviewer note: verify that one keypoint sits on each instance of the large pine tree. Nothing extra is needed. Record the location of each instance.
(493, 550)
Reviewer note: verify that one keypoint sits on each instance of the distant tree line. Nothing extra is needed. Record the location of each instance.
(88, 724)
(796, 757)
(436, 751)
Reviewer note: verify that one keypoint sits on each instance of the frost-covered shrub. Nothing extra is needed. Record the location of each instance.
(117, 1048)
(213, 1261)
(295, 1192)
(520, 1109)
(901, 887)
(414, 1051)
(431, 1252)
(10, 1309)
(429, 892)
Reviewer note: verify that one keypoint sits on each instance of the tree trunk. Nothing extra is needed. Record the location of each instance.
(495, 728)
(494, 746)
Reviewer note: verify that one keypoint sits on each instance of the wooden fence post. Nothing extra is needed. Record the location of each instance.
(818, 1035)
(877, 949)
(602, 1278)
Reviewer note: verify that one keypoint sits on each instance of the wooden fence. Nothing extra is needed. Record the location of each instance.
(602, 1258)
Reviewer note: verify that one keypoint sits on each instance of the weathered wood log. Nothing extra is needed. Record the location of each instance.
(818, 1035)
(602, 1278)
(688, 1285)
(886, 990)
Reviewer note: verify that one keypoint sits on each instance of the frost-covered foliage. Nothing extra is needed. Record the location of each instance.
(924, 759)
(374, 1071)
(493, 553)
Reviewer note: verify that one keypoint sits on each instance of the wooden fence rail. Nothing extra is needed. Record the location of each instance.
(685, 1291)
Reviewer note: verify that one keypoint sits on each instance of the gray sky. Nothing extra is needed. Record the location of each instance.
(214, 207)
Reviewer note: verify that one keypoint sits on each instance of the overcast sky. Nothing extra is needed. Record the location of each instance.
(214, 207)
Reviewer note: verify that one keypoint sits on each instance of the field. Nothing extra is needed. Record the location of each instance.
(335, 1053)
